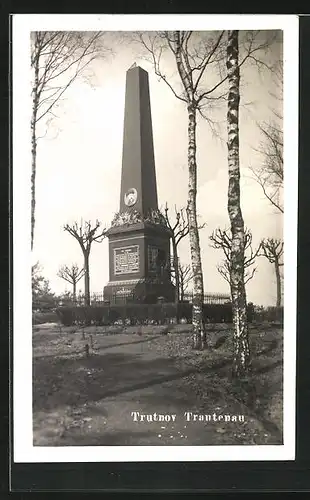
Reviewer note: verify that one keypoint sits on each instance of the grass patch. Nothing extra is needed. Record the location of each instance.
(87, 398)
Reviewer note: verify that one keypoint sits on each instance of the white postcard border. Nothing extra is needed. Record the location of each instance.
(23, 24)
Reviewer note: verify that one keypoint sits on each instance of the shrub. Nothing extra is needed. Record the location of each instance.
(38, 318)
(66, 315)
(140, 313)
(217, 313)
(134, 314)
(270, 314)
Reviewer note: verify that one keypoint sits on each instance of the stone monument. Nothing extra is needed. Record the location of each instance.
(139, 240)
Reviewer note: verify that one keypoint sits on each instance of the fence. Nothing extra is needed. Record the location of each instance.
(212, 298)
(209, 298)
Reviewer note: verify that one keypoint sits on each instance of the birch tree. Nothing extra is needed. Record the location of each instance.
(58, 58)
(72, 275)
(192, 58)
(272, 249)
(85, 235)
(241, 361)
(199, 62)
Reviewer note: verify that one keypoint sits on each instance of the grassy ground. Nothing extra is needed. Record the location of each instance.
(89, 400)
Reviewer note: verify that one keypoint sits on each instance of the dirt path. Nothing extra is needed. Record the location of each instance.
(105, 399)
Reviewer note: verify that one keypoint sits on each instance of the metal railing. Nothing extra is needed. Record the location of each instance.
(211, 298)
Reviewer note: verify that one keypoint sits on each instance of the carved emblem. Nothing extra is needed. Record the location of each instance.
(130, 197)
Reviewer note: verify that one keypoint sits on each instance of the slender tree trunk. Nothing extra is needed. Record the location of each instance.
(241, 363)
(86, 279)
(182, 286)
(176, 270)
(35, 102)
(278, 280)
(199, 336)
(74, 291)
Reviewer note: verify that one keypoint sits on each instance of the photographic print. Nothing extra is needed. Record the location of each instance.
(155, 191)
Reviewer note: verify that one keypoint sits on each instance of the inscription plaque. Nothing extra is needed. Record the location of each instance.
(126, 260)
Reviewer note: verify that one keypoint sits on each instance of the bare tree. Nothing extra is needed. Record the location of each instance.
(72, 275)
(272, 249)
(270, 173)
(179, 229)
(58, 58)
(85, 235)
(241, 362)
(222, 239)
(186, 276)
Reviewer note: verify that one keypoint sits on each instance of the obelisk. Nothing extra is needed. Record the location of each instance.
(138, 164)
(139, 241)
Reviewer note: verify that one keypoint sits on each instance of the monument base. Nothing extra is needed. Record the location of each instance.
(143, 291)
(137, 275)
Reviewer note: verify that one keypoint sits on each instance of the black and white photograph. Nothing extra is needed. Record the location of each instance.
(155, 237)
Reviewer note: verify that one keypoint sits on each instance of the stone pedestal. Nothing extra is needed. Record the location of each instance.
(139, 259)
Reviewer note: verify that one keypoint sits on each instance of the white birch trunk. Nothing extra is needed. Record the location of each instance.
(199, 336)
(86, 278)
(241, 362)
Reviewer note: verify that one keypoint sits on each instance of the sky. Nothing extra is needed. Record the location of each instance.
(79, 167)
